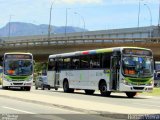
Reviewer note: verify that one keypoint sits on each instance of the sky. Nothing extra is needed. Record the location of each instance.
(88, 14)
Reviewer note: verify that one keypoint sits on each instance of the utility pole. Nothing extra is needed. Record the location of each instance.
(139, 8)
(9, 27)
(66, 21)
(49, 26)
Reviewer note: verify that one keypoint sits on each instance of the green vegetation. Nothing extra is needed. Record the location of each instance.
(39, 69)
(155, 92)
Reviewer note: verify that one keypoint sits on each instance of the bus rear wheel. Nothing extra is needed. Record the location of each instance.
(42, 87)
(131, 94)
(66, 87)
(103, 89)
(49, 87)
(89, 92)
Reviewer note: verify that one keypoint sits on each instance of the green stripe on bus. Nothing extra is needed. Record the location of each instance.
(104, 50)
(17, 77)
(138, 80)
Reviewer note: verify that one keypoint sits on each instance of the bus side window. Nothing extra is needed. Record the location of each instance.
(75, 63)
(85, 62)
(59, 64)
(95, 61)
(67, 63)
(51, 64)
(106, 60)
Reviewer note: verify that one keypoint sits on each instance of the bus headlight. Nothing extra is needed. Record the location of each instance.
(6, 79)
(125, 82)
(150, 83)
(30, 78)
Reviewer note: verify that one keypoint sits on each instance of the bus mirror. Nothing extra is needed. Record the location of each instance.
(154, 64)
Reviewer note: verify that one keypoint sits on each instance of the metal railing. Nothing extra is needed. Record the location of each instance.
(67, 40)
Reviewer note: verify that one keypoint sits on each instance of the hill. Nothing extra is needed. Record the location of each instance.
(27, 29)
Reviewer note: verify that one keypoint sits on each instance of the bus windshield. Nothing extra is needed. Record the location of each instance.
(18, 67)
(135, 66)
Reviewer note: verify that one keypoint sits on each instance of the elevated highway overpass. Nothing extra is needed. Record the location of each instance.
(41, 46)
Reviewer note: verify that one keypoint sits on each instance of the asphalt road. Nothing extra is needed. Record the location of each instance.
(20, 110)
(37, 111)
(140, 101)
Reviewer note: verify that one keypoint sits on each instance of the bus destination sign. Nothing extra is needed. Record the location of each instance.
(18, 56)
(137, 52)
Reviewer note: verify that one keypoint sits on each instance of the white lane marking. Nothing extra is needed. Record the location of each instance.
(17, 110)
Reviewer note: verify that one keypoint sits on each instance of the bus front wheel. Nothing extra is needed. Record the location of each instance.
(103, 89)
(131, 94)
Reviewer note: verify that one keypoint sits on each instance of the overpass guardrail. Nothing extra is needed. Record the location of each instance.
(68, 41)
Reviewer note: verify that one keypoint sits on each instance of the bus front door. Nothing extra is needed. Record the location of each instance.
(114, 74)
(57, 74)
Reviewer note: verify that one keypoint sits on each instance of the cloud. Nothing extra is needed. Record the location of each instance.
(80, 1)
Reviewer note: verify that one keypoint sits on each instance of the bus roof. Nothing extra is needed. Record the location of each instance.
(18, 53)
(103, 50)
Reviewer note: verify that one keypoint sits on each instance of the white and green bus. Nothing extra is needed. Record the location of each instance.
(119, 69)
(17, 70)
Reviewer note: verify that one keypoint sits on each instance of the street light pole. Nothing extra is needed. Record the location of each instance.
(66, 21)
(50, 18)
(139, 10)
(82, 20)
(9, 27)
(150, 18)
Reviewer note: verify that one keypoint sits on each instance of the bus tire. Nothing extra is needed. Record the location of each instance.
(49, 87)
(27, 88)
(131, 94)
(36, 87)
(56, 88)
(89, 92)
(66, 88)
(42, 87)
(103, 89)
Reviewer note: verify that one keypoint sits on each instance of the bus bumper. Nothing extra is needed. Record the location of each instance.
(135, 88)
(17, 83)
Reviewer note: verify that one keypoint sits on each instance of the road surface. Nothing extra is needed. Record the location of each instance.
(15, 109)
(57, 104)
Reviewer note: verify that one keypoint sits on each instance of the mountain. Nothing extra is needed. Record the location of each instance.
(27, 29)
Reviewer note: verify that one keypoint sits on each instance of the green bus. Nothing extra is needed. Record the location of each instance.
(17, 70)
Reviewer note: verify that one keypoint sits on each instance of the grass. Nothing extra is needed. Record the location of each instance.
(155, 92)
